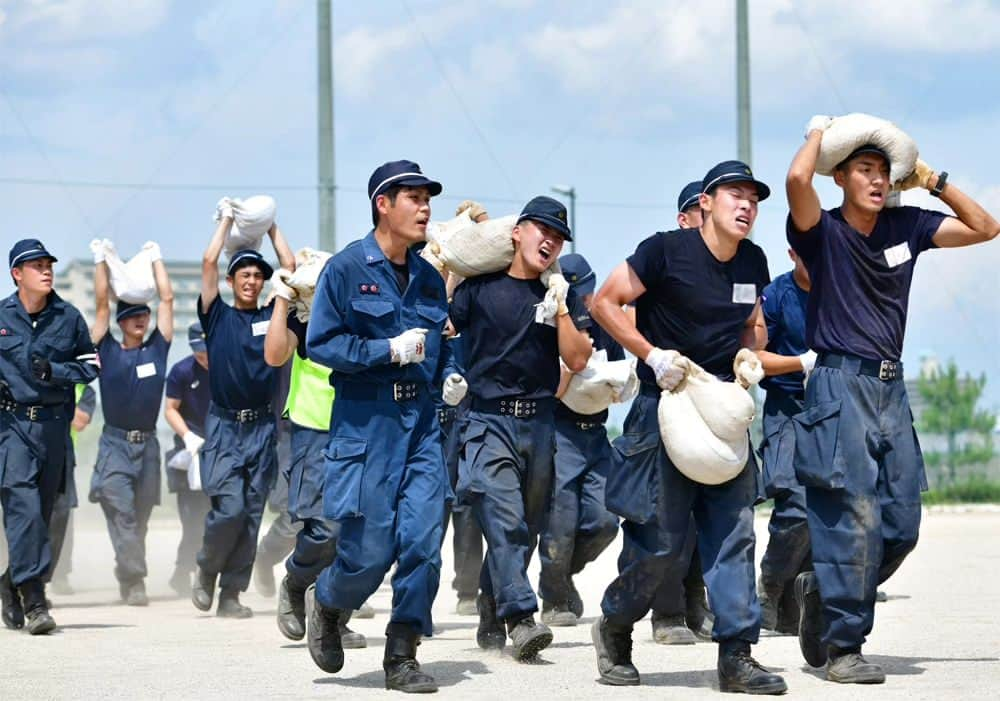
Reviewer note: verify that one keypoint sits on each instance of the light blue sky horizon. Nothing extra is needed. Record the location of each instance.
(626, 101)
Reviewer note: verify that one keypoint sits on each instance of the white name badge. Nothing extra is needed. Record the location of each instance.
(260, 327)
(145, 370)
(897, 255)
(744, 293)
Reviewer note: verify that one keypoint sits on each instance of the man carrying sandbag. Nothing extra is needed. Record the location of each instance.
(856, 451)
(126, 479)
(515, 331)
(696, 294)
(576, 526)
(238, 461)
(377, 319)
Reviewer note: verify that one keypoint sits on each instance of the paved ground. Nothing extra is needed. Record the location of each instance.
(938, 637)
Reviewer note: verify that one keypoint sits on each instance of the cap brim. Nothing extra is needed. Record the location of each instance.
(198, 346)
(35, 256)
(689, 203)
(133, 311)
(433, 187)
(552, 222)
(763, 191)
(264, 266)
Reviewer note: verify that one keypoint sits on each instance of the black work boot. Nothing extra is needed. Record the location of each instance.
(12, 612)
(135, 594)
(614, 653)
(230, 606)
(850, 667)
(810, 619)
(769, 594)
(788, 613)
(292, 609)
(558, 615)
(490, 635)
(740, 672)
(350, 639)
(698, 618)
(202, 589)
(36, 611)
(527, 637)
(323, 634)
(402, 671)
(671, 630)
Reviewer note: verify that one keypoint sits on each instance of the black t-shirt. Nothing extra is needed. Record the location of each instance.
(508, 354)
(402, 271)
(694, 303)
(602, 341)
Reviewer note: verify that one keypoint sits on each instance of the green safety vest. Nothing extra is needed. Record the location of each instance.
(78, 390)
(310, 396)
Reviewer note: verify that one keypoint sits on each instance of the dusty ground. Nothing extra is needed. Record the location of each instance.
(938, 637)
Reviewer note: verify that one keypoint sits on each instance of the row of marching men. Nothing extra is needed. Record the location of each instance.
(367, 472)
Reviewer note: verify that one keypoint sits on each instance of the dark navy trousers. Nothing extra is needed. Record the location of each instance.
(577, 527)
(126, 483)
(657, 502)
(316, 540)
(238, 467)
(858, 456)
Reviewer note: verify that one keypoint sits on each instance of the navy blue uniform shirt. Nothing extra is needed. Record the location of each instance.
(602, 341)
(861, 284)
(88, 401)
(132, 381)
(240, 379)
(507, 353)
(58, 334)
(187, 381)
(359, 306)
(694, 303)
(784, 306)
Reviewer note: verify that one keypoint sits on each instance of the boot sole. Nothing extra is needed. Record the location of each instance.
(563, 620)
(43, 629)
(770, 690)
(425, 688)
(532, 647)
(810, 641)
(675, 636)
(353, 641)
(865, 678)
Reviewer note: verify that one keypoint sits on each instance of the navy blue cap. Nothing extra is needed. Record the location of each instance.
(689, 196)
(395, 173)
(867, 148)
(578, 273)
(246, 257)
(549, 212)
(28, 249)
(196, 338)
(126, 309)
(733, 172)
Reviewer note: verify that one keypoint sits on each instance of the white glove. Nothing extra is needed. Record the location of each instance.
(808, 360)
(820, 122)
(192, 442)
(747, 368)
(547, 308)
(223, 209)
(408, 347)
(454, 389)
(559, 288)
(668, 366)
(154, 251)
(279, 283)
(97, 248)
(476, 211)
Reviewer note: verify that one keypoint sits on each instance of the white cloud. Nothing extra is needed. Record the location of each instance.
(55, 21)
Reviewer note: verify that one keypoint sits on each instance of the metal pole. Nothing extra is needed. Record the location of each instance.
(743, 82)
(324, 124)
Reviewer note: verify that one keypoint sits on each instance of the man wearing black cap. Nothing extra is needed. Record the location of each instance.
(238, 460)
(515, 331)
(185, 409)
(697, 297)
(576, 526)
(45, 350)
(126, 479)
(377, 320)
(856, 451)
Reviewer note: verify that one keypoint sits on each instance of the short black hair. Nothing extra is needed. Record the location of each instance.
(391, 193)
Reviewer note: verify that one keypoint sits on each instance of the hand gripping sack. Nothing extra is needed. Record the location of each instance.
(850, 131)
(252, 218)
(467, 248)
(601, 384)
(309, 264)
(132, 282)
(704, 424)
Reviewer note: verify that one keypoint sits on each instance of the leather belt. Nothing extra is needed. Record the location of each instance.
(447, 415)
(517, 407)
(33, 412)
(131, 435)
(587, 425)
(385, 392)
(242, 416)
(885, 370)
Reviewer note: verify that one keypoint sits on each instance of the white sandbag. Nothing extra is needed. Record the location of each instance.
(191, 464)
(309, 264)
(600, 384)
(467, 248)
(704, 427)
(850, 131)
(131, 281)
(252, 218)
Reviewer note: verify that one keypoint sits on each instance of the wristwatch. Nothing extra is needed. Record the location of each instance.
(942, 179)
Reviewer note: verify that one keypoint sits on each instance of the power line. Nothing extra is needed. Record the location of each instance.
(819, 59)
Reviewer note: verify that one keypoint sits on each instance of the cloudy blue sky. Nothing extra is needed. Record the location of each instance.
(626, 101)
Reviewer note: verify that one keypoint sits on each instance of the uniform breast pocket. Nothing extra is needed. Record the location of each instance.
(345, 470)
(373, 318)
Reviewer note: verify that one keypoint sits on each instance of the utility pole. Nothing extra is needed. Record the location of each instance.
(743, 83)
(324, 124)
(570, 192)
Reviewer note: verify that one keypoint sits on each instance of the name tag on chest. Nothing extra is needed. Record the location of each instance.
(744, 293)
(145, 370)
(259, 328)
(897, 255)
